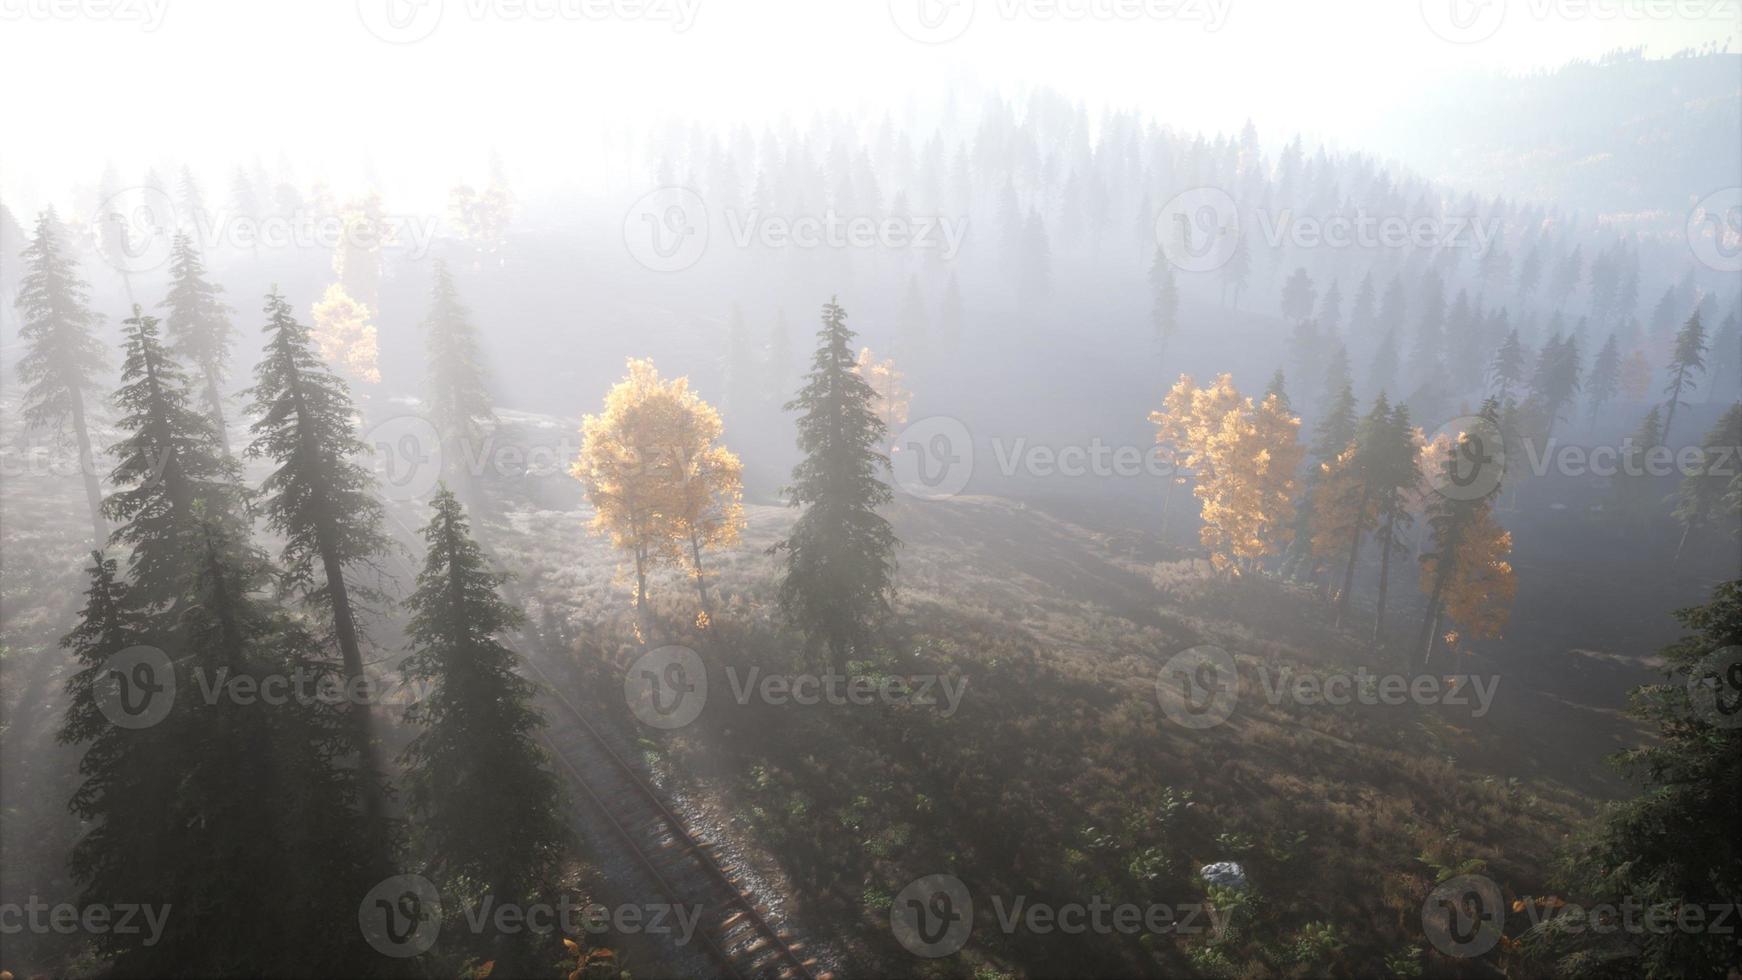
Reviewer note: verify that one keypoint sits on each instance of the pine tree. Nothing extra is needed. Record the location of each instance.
(949, 320)
(840, 556)
(1362, 314)
(1605, 378)
(1278, 389)
(486, 804)
(171, 473)
(123, 796)
(1634, 485)
(1507, 370)
(458, 383)
(1674, 845)
(1383, 371)
(1397, 482)
(1702, 492)
(1163, 299)
(1298, 295)
(1554, 382)
(1357, 477)
(1686, 362)
(1331, 310)
(197, 325)
(264, 802)
(320, 500)
(1465, 575)
(1236, 272)
(222, 797)
(740, 367)
(62, 356)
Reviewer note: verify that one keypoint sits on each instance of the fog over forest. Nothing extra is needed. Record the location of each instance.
(926, 488)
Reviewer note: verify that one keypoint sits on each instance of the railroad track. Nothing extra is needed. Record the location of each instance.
(733, 931)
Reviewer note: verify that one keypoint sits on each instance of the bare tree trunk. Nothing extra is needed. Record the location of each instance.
(1354, 553)
(217, 403)
(1384, 579)
(701, 583)
(356, 682)
(88, 470)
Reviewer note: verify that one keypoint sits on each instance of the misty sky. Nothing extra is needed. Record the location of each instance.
(216, 80)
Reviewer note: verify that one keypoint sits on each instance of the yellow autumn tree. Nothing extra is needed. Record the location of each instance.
(1244, 458)
(1249, 501)
(660, 484)
(1480, 588)
(704, 479)
(893, 400)
(357, 260)
(345, 336)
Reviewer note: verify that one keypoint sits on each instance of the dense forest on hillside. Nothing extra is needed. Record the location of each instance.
(995, 534)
